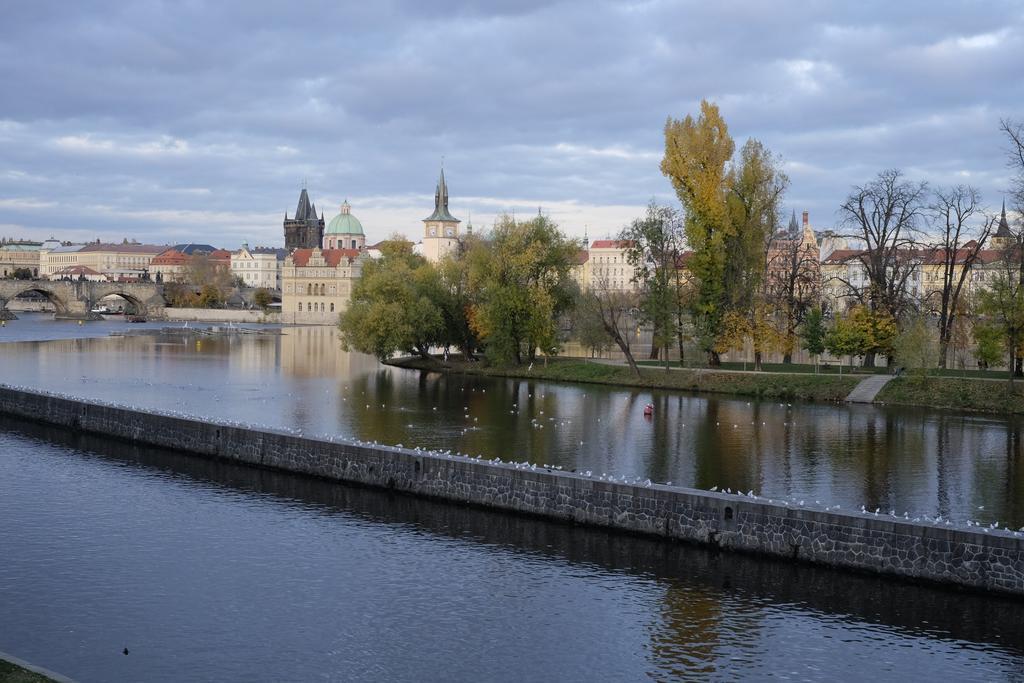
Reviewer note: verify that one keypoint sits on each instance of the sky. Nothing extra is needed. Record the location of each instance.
(201, 121)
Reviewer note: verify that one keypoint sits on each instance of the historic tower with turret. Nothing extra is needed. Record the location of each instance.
(440, 229)
(305, 230)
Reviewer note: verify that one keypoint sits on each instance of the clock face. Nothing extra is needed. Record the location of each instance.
(449, 232)
(433, 232)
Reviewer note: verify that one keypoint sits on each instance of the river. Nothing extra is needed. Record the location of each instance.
(208, 571)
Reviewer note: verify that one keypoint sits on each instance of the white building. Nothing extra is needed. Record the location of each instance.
(259, 267)
(607, 266)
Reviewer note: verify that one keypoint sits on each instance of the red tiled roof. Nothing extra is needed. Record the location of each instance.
(76, 270)
(169, 257)
(842, 255)
(300, 257)
(611, 244)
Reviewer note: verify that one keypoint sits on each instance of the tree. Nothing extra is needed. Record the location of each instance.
(813, 331)
(884, 215)
(915, 347)
(697, 152)
(655, 243)
(262, 298)
(952, 213)
(1002, 303)
(21, 274)
(738, 328)
(793, 285)
(205, 274)
(861, 332)
(519, 276)
(989, 341)
(393, 308)
(845, 339)
(210, 296)
(756, 187)
(601, 317)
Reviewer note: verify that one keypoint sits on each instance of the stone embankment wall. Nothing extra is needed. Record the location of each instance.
(223, 315)
(987, 561)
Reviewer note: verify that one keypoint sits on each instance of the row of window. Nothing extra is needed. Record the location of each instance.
(314, 307)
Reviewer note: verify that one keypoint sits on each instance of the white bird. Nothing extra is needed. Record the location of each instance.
(713, 488)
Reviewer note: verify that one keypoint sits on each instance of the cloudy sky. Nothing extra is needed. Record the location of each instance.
(200, 121)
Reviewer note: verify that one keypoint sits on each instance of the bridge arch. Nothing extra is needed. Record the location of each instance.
(25, 286)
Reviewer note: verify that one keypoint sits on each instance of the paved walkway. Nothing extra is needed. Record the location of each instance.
(868, 388)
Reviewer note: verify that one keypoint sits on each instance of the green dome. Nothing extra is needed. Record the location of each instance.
(344, 223)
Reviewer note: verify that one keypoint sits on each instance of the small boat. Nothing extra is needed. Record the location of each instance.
(102, 310)
(136, 318)
(649, 410)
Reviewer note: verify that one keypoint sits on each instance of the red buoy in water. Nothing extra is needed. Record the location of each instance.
(648, 410)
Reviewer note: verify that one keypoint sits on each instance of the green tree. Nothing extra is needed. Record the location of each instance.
(263, 298)
(519, 276)
(655, 243)
(756, 187)
(1002, 303)
(989, 342)
(697, 152)
(812, 333)
(210, 296)
(916, 347)
(394, 307)
(846, 338)
(21, 274)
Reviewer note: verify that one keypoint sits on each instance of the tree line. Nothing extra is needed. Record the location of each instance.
(719, 272)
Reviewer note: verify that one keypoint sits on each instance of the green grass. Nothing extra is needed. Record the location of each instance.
(832, 369)
(758, 385)
(11, 673)
(955, 393)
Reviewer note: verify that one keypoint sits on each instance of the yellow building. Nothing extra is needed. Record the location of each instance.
(317, 284)
(607, 266)
(19, 256)
(128, 260)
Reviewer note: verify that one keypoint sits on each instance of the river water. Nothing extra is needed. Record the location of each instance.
(207, 571)
(918, 462)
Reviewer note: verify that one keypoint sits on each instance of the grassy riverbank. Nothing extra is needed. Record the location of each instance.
(12, 673)
(758, 385)
(978, 395)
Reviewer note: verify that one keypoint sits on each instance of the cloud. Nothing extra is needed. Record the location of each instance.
(202, 120)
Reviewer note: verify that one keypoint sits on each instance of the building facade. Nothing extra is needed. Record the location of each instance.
(259, 267)
(608, 268)
(175, 263)
(19, 256)
(125, 261)
(305, 230)
(316, 284)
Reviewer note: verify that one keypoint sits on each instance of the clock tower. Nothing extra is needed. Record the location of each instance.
(440, 229)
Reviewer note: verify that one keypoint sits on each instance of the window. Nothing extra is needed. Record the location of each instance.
(332, 308)
(300, 307)
(309, 289)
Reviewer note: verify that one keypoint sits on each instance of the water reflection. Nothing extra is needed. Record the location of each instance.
(357, 583)
(920, 462)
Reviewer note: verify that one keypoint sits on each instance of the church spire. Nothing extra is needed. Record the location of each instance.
(441, 203)
(794, 227)
(1004, 227)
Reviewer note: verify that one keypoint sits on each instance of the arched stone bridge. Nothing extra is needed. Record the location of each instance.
(76, 298)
